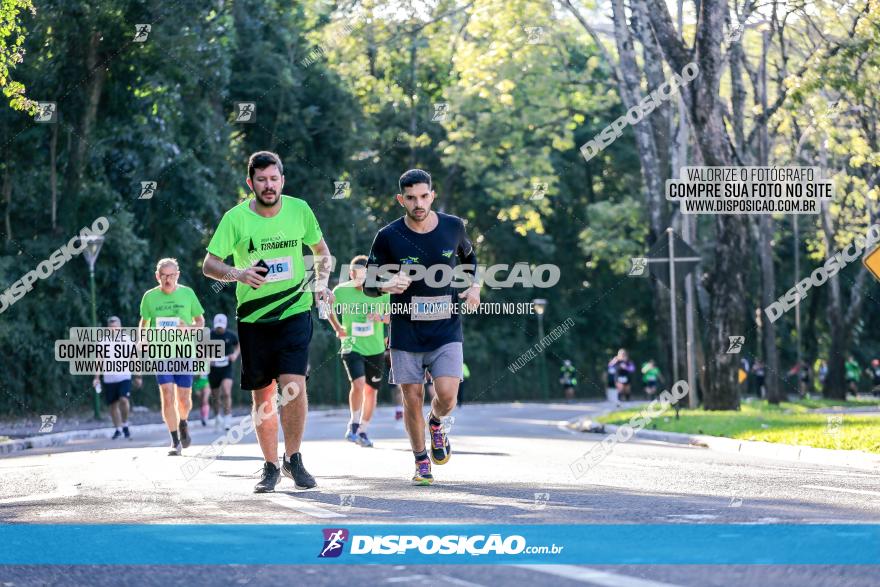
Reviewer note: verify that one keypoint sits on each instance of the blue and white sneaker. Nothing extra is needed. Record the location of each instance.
(364, 441)
(351, 433)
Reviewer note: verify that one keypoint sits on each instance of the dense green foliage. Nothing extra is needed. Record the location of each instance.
(342, 93)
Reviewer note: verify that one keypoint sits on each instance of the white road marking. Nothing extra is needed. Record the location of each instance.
(827, 472)
(63, 492)
(461, 582)
(843, 490)
(692, 516)
(563, 427)
(301, 506)
(588, 575)
(445, 580)
(761, 521)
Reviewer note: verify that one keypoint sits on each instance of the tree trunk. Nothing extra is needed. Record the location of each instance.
(768, 289)
(835, 383)
(413, 115)
(765, 248)
(53, 174)
(86, 125)
(7, 200)
(646, 143)
(727, 280)
(655, 170)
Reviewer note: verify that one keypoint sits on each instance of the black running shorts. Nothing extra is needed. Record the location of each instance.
(370, 366)
(272, 349)
(115, 391)
(217, 374)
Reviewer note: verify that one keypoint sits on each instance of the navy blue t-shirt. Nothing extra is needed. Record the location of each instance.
(396, 244)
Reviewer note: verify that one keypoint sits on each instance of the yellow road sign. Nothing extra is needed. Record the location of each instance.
(872, 262)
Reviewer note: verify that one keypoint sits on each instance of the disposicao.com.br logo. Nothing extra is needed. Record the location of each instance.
(334, 540)
(430, 544)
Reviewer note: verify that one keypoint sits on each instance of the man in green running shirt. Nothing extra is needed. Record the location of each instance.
(568, 379)
(650, 377)
(265, 235)
(362, 341)
(853, 373)
(171, 305)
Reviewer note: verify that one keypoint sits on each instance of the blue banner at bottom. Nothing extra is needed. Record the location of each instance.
(271, 544)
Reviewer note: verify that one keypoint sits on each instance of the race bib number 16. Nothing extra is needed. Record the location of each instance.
(279, 269)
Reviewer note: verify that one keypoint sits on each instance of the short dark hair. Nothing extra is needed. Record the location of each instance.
(412, 177)
(359, 261)
(262, 160)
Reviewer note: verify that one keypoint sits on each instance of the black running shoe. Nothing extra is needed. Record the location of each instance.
(176, 450)
(117, 434)
(295, 470)
(185, 439)
(126, 432)
(268, 480)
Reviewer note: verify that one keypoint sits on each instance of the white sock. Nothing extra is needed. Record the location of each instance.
(363, 426)
(355, 417)
(125, 424)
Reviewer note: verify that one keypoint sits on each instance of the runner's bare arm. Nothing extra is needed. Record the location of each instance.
(214, 267)
(142, 325)
(323, 265)
(337, 327)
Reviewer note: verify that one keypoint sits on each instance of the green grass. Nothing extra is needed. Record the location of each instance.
(833, 403)
(788, 423)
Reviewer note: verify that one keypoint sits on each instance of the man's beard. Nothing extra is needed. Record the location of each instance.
(413, 213)
(266, 203)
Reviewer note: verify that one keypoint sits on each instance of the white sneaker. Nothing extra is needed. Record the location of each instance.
(227, 419)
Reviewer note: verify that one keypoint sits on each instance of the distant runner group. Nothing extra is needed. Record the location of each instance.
(264, 236)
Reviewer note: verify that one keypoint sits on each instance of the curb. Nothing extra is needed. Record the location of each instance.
(786, 452)
(61, 438)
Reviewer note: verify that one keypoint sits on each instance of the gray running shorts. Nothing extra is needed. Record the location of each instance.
(445, 361)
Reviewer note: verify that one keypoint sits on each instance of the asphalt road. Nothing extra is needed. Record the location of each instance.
(511, 464)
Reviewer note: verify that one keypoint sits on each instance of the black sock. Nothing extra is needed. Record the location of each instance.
(433, 420)
(421, 456)
(174, 438)
(184, 423)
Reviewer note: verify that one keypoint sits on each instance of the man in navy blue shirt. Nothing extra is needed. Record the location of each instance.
(425, 254)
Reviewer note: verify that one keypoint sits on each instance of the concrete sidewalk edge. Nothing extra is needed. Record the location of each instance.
(786, 452)
(61, 438)
(50, 439)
